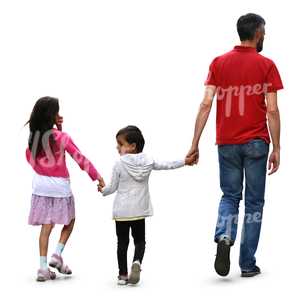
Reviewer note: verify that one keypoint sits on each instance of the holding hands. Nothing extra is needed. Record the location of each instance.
(192, 157)
(101, 184)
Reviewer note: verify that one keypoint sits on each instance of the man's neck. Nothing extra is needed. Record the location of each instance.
(248, 43)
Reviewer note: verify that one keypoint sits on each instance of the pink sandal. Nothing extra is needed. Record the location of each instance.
(63, 269)
(47, 275)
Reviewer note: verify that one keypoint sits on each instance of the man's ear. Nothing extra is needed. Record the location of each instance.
(258, 34)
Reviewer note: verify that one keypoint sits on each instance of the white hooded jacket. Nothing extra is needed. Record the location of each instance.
(130, 178)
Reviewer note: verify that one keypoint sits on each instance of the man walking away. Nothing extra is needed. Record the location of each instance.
(242, 79)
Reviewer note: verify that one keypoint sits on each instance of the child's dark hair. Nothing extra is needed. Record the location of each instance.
(133, 135)
(41, 120)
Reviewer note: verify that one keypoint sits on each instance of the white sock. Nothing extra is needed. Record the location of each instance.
(59, 249)
(43, 265)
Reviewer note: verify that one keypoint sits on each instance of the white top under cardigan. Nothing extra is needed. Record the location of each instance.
(130, 178)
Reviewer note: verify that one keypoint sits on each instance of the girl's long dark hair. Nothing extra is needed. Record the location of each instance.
(41, 122)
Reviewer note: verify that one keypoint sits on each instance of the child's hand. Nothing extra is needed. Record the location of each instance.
(101, 184)
(99, 188)
(58, 122)
(190, 160)
(194, 149)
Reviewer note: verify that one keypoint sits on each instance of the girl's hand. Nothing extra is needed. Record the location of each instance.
(58, 122)
(190, 160)
(99, 188)
(101, 184)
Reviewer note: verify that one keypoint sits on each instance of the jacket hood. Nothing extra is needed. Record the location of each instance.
(139, 166)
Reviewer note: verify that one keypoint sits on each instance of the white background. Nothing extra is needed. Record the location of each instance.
(118, 63)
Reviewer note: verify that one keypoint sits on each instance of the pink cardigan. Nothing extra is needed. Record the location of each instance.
(54, 164)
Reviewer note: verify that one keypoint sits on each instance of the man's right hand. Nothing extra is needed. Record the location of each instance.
(193, 150)
(274, 161)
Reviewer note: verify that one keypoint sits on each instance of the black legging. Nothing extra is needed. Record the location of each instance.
(138, 234)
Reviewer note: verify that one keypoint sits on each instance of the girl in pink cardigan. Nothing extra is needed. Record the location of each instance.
(52, 199)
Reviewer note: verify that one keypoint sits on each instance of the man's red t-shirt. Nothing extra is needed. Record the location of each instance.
(242, 77)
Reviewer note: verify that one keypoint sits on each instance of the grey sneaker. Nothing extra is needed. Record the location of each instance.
(122, 279)
(134, 276)
(252, 273)
(222, 262)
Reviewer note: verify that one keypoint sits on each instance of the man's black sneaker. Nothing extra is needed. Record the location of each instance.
(252, 273)
(222, 262)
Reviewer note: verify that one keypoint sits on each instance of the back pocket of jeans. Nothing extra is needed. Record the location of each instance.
(258, 148)
(226, 151)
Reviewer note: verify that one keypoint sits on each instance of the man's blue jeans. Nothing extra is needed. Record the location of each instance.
(235, 161)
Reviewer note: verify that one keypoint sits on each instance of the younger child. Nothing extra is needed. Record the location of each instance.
(52, 200)
(132, 203)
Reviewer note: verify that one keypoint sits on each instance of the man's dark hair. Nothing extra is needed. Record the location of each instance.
(248, 25)
(133, 135)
